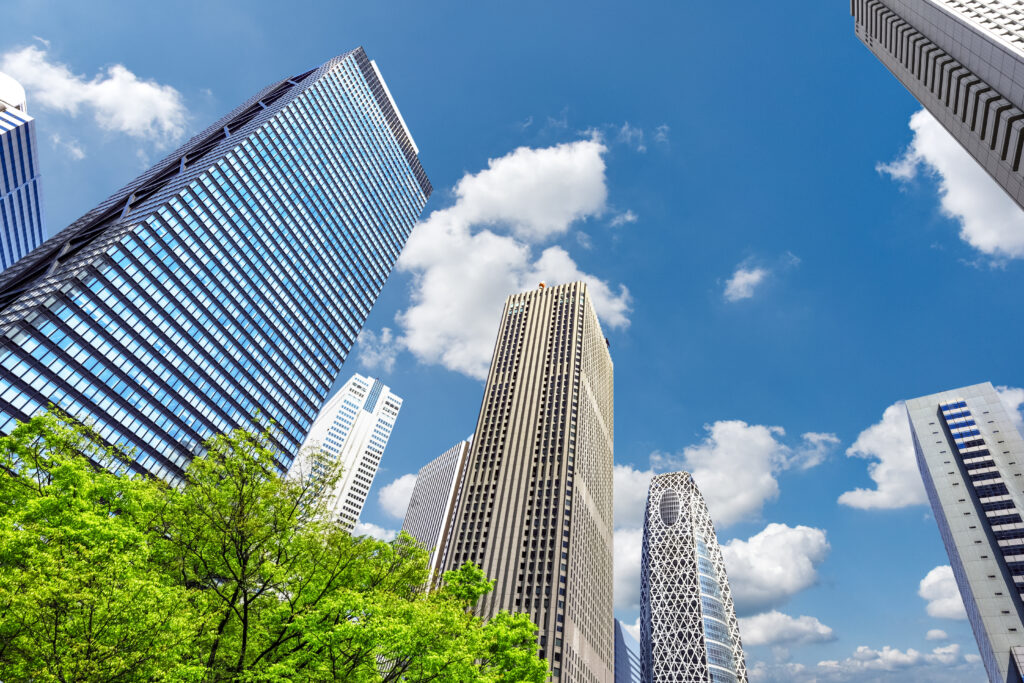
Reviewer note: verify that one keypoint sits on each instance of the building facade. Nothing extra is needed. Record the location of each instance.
(964, 61)
(688, 627)
(627, 656)
(352, 430)
(536, 509)
(21, 211)
(226, 284)
(971, 458)
(435, 498)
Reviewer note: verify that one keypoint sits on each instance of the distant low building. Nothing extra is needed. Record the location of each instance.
(627, 656)
(21, 210)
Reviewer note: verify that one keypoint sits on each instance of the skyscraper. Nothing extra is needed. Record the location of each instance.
(964, 61)
(21, 213)
(627, 656)
(971, 458)
(229, 280)
(352, 429)
(688, 627)
(536, 508)
(435, 498)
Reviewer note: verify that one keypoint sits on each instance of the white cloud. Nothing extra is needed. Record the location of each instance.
(816, 447)
(894, 468)
(628, 544)
(623, 218)
(1013, 398)
(972, 658)
(866, 659)
(394, 498)
(632, 629)
(377, 351)
(630, 495)
(118, 99)
(939, 588)
(989, 220)
(632, 136)
(936, 634)
(743, 283)
(74, 150)
(773, 565)
(774, 628)
(378, 532)
(462, 273)
(661, 133)
(735, 466)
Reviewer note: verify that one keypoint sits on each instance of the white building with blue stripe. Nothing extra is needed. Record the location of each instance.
(21, 212)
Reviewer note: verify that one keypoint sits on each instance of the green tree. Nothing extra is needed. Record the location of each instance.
(238, 576)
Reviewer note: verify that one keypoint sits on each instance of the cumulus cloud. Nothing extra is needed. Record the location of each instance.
(632, 629)
(377, 351)
(623, 218)
(939, 588)
(736, 464)
(936, 634)
(894, 468)
(378, 532)
(866, 659)
(628, 544)
(1013, 398)
(776, 628)
(744, 282)
(394, 498)
(74, 150)
(463, 267)
(117, 98)
(773, 565)
(989, 220)
(630, 494)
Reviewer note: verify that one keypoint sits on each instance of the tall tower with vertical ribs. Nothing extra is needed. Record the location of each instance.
(536, 509)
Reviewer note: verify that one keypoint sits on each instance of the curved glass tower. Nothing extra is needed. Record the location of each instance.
(688, 627)
(227, 282)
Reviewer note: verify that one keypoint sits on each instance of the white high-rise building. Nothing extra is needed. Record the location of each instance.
(964, 62)
(434, 500)
(688, 627)
(21, 213)
(971, 457)
(352, 428)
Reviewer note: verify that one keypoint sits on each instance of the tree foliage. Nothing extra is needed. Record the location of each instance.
(239, 575)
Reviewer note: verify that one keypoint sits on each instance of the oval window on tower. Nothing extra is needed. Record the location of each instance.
(669, 507)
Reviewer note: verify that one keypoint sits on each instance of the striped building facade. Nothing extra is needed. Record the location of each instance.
(21, 212)
(964, 62)
(226, 284)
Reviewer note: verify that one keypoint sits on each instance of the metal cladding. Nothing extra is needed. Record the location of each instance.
(226, 284)
(21, 211)
(688, 627)
(536, 508)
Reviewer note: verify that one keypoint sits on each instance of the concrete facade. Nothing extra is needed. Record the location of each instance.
(435, 498)
(971, 458)
(536, 512)
(964, 61)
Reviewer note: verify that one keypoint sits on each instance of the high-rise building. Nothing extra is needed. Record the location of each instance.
(627, 656)
(21, 212)
(536, 508)
(963, 60)
(352, 430)
(435, 498)
(226, 283)
(688, 627)
(971, 458)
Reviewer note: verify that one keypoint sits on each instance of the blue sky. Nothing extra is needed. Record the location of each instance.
(784, 253)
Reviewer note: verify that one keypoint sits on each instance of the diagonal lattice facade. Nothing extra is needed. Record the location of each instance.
(688, 627)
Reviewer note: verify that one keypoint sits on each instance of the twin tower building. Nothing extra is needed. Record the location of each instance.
(231, 280)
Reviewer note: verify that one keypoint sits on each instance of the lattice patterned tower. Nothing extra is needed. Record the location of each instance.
(21, 212)
(228, 281)
(536, 511)
(971, 458)
(964, 61)
(688, 627)
(352, 429)
(434, 501)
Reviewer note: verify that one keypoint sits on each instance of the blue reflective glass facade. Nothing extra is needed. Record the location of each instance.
(229, 281)
(21, 214)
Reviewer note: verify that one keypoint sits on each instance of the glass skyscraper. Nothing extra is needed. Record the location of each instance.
(353, 429)
(21, 213)
(688, 627)
(227, 282)
(971, 458)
